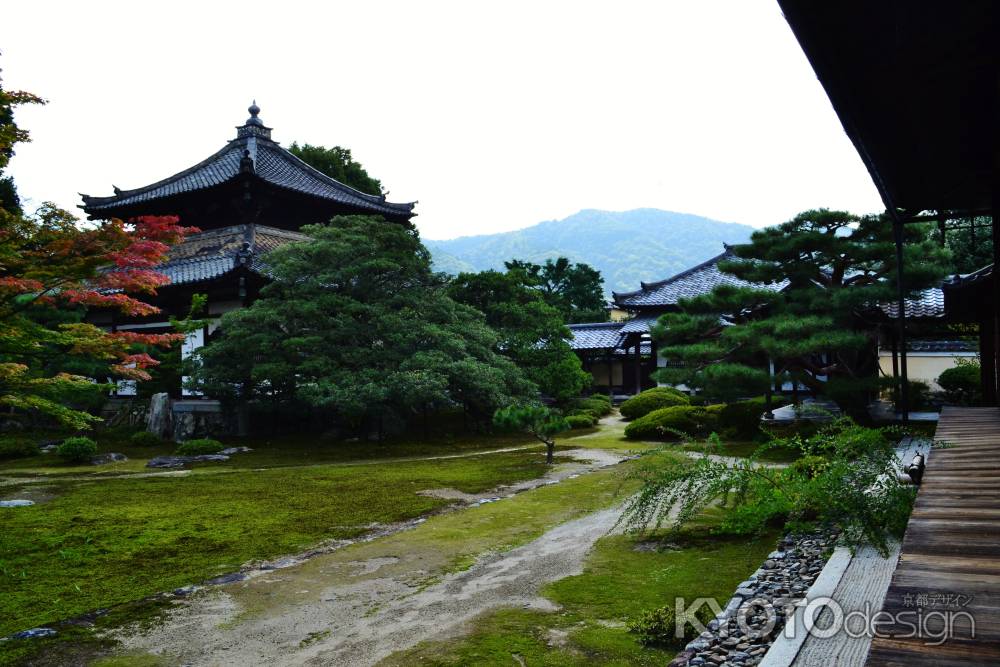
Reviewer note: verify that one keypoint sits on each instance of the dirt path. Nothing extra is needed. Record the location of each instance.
(335, 610)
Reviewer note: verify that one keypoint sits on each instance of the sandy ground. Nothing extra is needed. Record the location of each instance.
(316, 613)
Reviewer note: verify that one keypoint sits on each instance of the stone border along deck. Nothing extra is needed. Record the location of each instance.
(585, 461)
(782, 581)
(795, 573)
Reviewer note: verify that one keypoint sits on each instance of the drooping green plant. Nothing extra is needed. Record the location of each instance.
(849, 482)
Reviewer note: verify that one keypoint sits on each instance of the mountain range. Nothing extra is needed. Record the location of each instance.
(644, 244)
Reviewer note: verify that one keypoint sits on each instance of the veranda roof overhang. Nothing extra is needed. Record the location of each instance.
(914, 84)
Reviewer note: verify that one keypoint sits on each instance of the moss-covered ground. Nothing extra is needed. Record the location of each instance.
(95, 542)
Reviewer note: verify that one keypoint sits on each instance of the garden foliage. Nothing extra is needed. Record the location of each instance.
(652, 399)
(538, 421)
(51, 269)
(820, 275)
(77, 450)
(355, 324)
(847, 478)
(199, 446)
(962, 384)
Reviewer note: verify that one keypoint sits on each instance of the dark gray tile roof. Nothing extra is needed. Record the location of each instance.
(928, 304)
(209, 255)
(941, 346)
(638, 325)
(271, 163)
(697, 280)
(596, 336)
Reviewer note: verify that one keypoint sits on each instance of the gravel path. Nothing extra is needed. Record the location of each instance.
(313, 614)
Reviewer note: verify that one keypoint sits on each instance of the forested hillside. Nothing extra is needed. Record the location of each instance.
(626, 247)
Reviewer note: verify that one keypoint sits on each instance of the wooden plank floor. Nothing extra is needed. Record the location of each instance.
(951, 548)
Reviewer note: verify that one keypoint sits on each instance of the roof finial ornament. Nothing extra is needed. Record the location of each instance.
(253, 119)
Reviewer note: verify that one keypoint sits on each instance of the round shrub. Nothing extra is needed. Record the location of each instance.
(962, 384)
(145, 439)
(580, 421)
(77, 450)
(599, 406)
(669, 423)
(657, 627)
(742, 418)
(652, 399)
(199, 446)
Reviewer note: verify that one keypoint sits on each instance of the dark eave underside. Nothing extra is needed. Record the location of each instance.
(914, 84)
(272, 165)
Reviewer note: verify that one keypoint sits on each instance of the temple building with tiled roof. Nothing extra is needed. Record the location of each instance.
(622, 355)
(252, 179)
(248, 198)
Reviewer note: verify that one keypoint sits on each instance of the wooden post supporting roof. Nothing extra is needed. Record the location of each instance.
(904, 385)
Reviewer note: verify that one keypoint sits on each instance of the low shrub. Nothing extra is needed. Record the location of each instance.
(145, 439)
(199, 446)
(599, 406)
(580, 421)
(16, 448)
(657, 627)
(77, 450)
(962, 384)
(920, 395)
(652, 399)
(742, 419)
(670, 423)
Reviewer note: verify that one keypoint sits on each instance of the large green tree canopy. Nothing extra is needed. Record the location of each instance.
(831, 268)
(338, 164)
(530, 332)
(577, 290)
(355, 322)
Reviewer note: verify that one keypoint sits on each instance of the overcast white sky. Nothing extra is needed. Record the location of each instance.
(494, 116)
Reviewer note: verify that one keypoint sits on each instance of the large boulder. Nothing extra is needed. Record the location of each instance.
(158, 420)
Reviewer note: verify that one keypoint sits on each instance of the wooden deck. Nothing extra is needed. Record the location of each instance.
(951, 548)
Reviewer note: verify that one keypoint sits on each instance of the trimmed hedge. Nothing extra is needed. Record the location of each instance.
(663, 424)
(145, 439)
(599, 406)
(77, 450)
(962, 384)
(580, 421)
(742, 418)
(16, 448)
(200, 446)
(652, 399)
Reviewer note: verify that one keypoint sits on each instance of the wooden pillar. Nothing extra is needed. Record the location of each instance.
(994, 317)
(638, 364)
(904, 385)
(987, 357)
(768, 402)
(895, 370)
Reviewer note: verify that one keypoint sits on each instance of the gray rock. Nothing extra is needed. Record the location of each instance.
(158, 419)
(111, 457)
(33, 633)
(185, 426)
(16, 503)
(227, 578)
(181, 461)
(229, 451)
